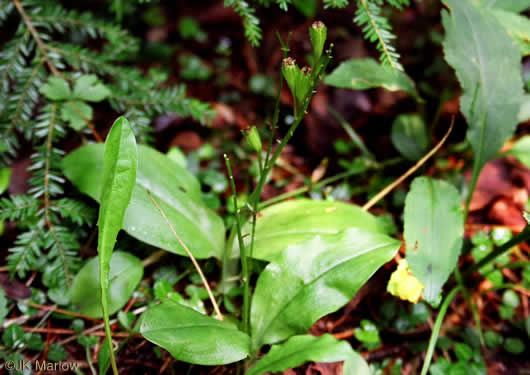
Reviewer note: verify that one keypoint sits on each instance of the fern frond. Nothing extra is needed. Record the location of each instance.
(6, 7)
(377, 29)
(55, 17)
(18, 207)
(80, 213)
(250, 21)
(63, 256)
(399, 4)
(27, 252)
(336, 3)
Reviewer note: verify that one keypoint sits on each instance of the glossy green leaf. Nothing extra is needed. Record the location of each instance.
(296, 221)
(517, 26)
(175, 189)
(76, 113)
(90, 89)
(125, 274)
(56, 89)
(5, 177)
(362, 74)
(409, 136)
(521, 150)
(511, 5)
(478, 52)
(434, 229)
(193, 337)
(300, 349)
(356, 365)
(119, 176)
(314, 278)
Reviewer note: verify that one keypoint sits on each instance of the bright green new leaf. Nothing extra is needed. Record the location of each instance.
(56, 89)
(511, 5)
(434, 230)
(314, 278)
(488, 66)
(76, 113)
(119, 176)
(5, 177)
(518, 27)
(362, 74)
(90, 89)
(299, 350)
(296, 221)
(356, 365)
(176, 191)
(409, 136)
(193, 337)
(125, 274)
(521, 150)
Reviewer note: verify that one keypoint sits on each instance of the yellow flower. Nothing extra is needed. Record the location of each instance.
(403, 284)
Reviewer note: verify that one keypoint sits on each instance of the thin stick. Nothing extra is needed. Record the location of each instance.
(195, 264)
(402, 178)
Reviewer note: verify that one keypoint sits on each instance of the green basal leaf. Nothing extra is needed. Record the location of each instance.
(125, 274)
(409, 136)
(511, 5)
(90, 89)
(299, 350)
(296, 221)
(175, 189)
(434, 229)
(76, 113)
(518, 27)
(362, 74)
(314, 278)
(477, 51)
(193, 337)
(119, 176)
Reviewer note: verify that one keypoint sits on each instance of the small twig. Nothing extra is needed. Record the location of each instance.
(153, 258)
(402, 178)
(57, 310)
(195, 264)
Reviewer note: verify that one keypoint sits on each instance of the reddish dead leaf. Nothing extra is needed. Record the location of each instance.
(187, 140)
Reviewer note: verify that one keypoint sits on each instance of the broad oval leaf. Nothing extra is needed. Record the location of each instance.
(300, 349)
(517, 26)
(295, 221)
(193, 337)
(314, 278)
(362, 74)
(409, 136)
(176, 191)
(125, 274)
(477, 51)
(434, 230)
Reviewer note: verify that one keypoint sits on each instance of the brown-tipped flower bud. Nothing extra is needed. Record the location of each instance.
(290, 72)
(318, 34)
(253, 138)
